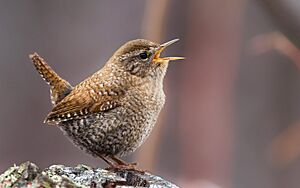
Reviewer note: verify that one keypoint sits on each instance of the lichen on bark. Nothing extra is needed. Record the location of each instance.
(28, 175)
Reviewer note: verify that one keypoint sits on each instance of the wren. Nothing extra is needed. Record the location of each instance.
(112, 112)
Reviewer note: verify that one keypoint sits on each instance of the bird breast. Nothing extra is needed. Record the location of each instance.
(142, 109)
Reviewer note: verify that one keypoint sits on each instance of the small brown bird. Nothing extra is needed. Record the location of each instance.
(112, 112)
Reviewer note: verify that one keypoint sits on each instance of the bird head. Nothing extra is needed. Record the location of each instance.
(142, 57)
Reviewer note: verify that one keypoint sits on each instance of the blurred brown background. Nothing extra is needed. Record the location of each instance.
(232, 112)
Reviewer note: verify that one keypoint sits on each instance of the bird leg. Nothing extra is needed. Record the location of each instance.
(109, 162)
(120, 164)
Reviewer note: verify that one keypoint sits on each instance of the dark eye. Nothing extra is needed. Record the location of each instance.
(143, 55)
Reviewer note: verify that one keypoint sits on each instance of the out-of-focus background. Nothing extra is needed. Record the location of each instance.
(232, 113)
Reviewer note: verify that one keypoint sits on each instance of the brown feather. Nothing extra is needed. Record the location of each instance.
(59, 87)
(85, 100)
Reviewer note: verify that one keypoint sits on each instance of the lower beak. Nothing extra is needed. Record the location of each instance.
(161, 48)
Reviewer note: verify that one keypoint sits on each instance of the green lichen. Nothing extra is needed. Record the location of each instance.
(13, 174)
(28, 175)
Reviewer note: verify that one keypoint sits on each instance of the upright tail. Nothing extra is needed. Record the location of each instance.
(59, 88)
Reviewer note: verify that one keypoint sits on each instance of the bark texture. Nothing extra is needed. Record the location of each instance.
(29, 175)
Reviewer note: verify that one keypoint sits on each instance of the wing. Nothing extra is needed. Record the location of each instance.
(85, 100)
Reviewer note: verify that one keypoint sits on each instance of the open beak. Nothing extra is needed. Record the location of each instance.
(161, 48)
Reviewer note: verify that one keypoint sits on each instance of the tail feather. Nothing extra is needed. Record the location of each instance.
(59, 87)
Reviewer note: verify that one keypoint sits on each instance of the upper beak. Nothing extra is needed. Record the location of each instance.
(161, 48)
